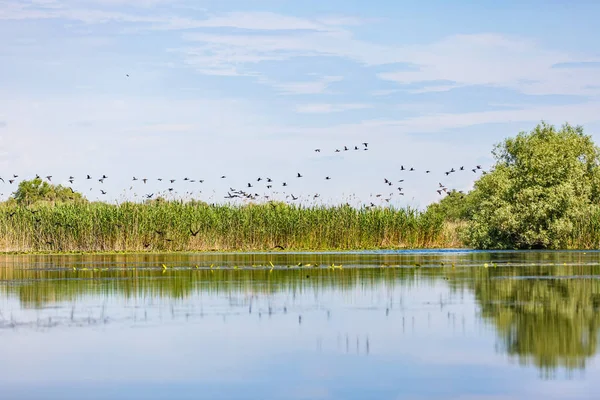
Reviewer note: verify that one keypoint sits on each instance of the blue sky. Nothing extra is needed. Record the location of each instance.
(249, 89)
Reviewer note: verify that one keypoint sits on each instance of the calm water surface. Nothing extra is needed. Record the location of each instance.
(384, 325)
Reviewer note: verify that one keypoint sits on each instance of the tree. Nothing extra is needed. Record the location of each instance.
(543, 182)
(36, 190)
(454, 206)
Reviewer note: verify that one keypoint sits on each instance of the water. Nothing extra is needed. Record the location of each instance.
(384, 325)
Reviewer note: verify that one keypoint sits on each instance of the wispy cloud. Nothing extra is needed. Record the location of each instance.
(325, 108)
(439, 122)
(317, 86)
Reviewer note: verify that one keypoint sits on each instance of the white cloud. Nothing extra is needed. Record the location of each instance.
(475, 59)
(304, 87)
(495, 60)
(325, 108)
(581, 114)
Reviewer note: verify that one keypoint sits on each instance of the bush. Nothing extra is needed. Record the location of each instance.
(36, 190)
(542, 184)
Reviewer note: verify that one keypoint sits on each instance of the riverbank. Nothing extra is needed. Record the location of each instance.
(200, 227)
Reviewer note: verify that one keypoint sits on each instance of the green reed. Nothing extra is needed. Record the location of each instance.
(168, 226)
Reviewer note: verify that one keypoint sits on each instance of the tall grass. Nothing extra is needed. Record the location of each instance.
(168, 226)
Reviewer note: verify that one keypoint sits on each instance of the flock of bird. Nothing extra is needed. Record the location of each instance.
(268, 186)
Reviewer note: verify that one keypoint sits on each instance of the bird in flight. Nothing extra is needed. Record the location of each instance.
(299, 176)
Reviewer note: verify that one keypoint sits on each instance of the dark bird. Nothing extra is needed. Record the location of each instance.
(294, 197)
(269, 180)
(366, 144)
(474, 170)
(284, 184)
(49, 177)
(149, 196)
(327, 178)
(186, 179)
(170, 189)
(439, 192)
(269, 186)
(160, 179)
(104, 176)
(462, 168)
(440, 183)
(479, 167)
(1, 179)
(194, 233)
(411, 169)
(135, 179)
(88, 177)
(172, 180)
(402, 168)
(355, 147)
(71, 181)
(11, 181)
(259, 179)
(223, 177)
(144, 180)
(428, 171)
(249, 185)
(317, 150)
(102, 191)
(345, 148)
(127, 75)
(337, 150)
(101, 180)
(299, 176)
(16, 176)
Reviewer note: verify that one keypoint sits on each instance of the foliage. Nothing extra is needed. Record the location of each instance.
(35, 190)
(455, 206)
(543, 184)
(190, 226)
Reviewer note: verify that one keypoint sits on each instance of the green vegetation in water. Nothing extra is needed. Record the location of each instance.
(197, 226)
(542, 193)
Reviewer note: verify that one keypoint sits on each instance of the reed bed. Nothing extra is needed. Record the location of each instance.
(196, 226)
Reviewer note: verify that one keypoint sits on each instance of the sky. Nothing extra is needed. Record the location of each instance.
(248, 89)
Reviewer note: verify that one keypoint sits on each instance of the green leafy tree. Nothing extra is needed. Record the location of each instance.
(35, 190)
(543, 183)
(454, 206)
